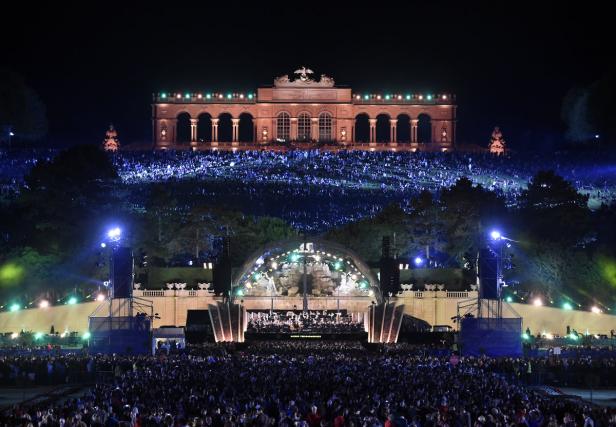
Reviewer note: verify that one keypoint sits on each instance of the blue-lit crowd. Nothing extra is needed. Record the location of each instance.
(341, 186)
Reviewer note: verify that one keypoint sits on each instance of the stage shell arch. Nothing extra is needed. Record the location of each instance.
(332, 270)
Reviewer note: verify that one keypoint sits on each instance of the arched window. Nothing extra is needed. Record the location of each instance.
(325, 127)
(283, 126)
(303, 127)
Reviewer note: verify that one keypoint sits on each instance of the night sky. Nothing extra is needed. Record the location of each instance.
(95, 64)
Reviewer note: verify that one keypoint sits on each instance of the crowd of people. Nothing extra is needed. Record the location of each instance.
(342, 186)
(315, 322)
(301, 384)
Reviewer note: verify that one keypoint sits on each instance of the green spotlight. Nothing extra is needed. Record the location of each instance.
(429, 97)
(294, 257)
(509, 299)
(337, 265)
(408, 97)
(15, 307)
(250, 96)
(257, 276)
(366, 96)
(38, 335)
(240, 292)
(72, 300)
(229, 96)
(525, 336)
(187, 95)
(567, 306)
(574, 337)
(163, 95)
(86, 335)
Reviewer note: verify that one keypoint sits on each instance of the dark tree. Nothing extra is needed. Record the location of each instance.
(553, 209)
(21, 109)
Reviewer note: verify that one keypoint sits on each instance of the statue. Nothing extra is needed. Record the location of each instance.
(281, 80)
(303, 73)
(497, 143)
(326, 81)
(111, 142)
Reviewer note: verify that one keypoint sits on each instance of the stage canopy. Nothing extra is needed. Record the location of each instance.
(331, 270)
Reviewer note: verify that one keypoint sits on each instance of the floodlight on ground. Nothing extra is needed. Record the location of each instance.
(44, 304)
(100, 297)
(495, 235)
(567, 306)
(537, 302)
(595, 309)
(15, 307)
(72, 301)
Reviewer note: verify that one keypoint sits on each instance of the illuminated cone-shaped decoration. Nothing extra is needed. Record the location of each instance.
(111, 142)
(497, 143)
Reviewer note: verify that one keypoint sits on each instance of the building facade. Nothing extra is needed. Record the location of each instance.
(307, 111)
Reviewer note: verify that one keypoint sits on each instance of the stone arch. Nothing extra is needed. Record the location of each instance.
(383, 130)
(246, 130)
(225, 127)
(362, 128)
(204, 127)
(182, 128)
(424, 128)
(403, 128)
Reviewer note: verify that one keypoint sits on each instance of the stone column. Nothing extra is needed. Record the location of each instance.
(434, 131)
(215, 131)
(235, 127)
(414, 123)
(173, 128)
(353, 136)
(193, 131)
(314, 128)
(393, 131)
(255, 135)
(293, 134)
(372, 131)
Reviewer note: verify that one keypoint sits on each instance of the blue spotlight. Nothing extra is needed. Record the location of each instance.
(114, 234)
(495, 235)
(418, 261)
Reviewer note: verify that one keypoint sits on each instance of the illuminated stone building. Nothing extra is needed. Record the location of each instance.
(304, 111)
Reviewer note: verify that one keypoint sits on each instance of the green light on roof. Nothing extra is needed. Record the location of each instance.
(387, 96)
(408, 96)
(163, 95)
(187, 95)
(429, 97)
(366, 96)
(229, 96)
(250, 96)
(208, 96)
